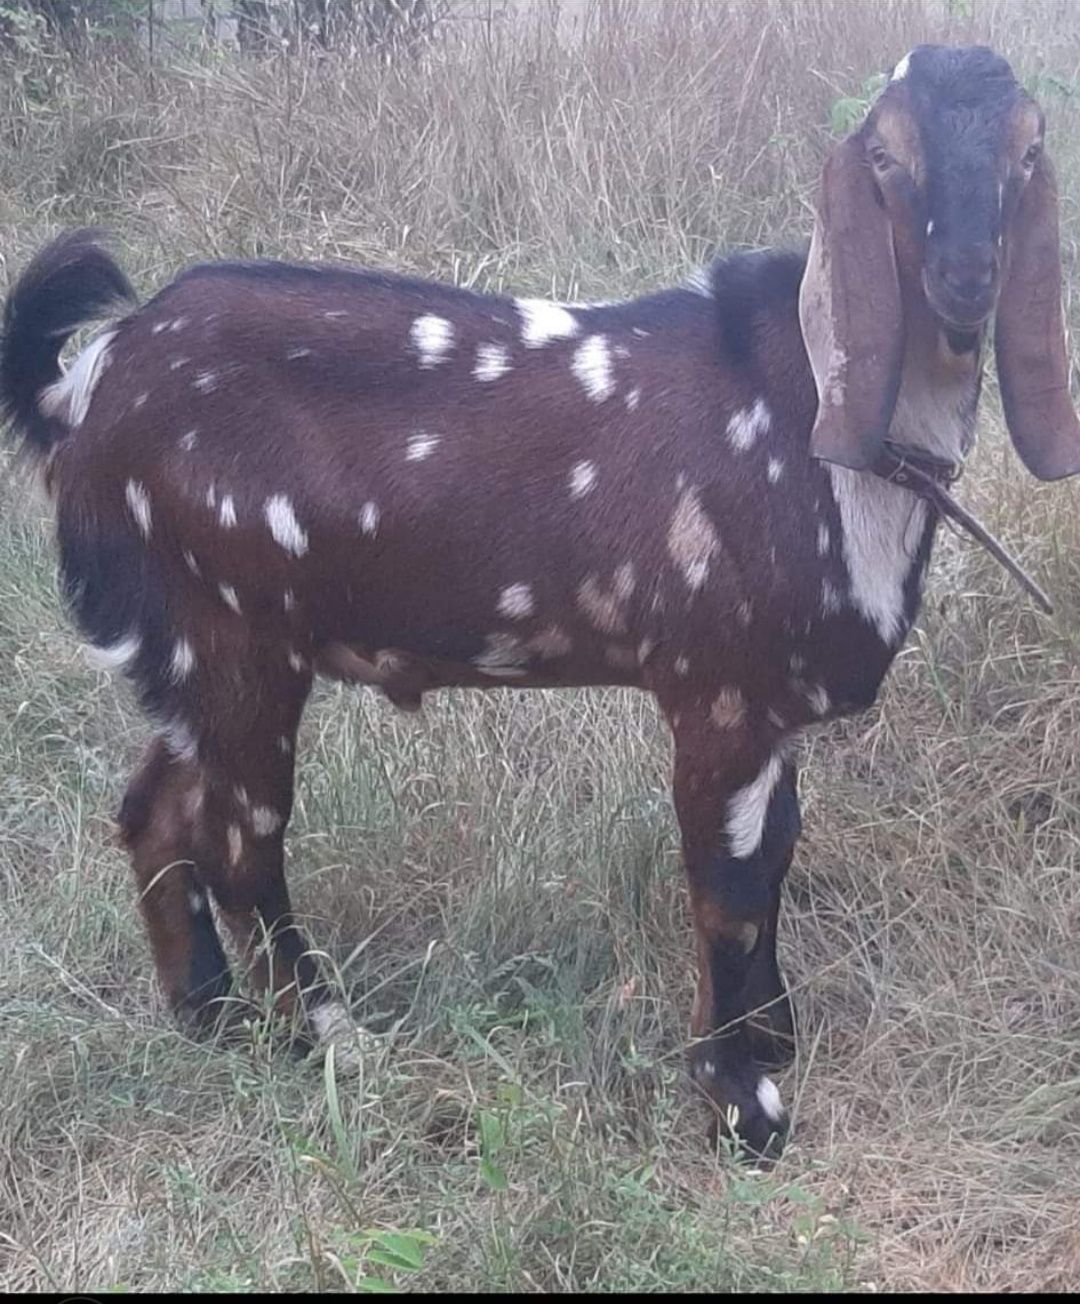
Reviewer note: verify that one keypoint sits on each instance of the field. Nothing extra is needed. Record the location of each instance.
(496, 883)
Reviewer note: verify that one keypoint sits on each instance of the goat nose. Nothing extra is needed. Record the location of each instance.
(972, 276)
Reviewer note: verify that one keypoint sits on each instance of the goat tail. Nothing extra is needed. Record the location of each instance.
(72, 281)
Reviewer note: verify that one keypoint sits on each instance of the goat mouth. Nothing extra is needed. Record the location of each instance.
(956, 314)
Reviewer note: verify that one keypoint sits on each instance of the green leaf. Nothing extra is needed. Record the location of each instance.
(493, 1175)
(377, 1286)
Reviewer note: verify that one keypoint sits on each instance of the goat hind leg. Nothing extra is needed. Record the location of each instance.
(157, 822)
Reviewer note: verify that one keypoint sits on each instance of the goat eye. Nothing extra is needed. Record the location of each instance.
(1030, 156)
(879, 157)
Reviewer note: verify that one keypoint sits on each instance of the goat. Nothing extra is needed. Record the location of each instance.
(270, 471)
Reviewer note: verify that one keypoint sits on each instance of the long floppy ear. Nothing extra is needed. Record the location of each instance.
(1032, 358)
(851, 314)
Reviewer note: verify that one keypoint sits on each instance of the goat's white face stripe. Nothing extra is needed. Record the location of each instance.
(492, 361)
(432, 337)
(748, 424)
(284, 526)
(543, 321)
(748, 808)
(138, 501)
(592, 367)
(68, 398)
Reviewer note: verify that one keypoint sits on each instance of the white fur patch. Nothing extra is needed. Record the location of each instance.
(206, 382)
(747, 425)
(117, 656)
(228, 596)
(515, 601)
(682, 667)
(138, 501)
(901, 69)
(774, 469)
(264, 821)
(288, 600)
(192, 564)
(182, 662)
(592, 366)
(492, 361)
(296, 662)
(818, 698)
(503, 656)
(294, 354)
(180, 741)
(823, 539)
(582, 479)
(284, 744)
(227, 512)
(188, 441)
(177, 363)
(432, 338)
(543, 321)
(369, 519)
(768, 1098)
(333, 1026)
(748, 808)
(700, 282)
(692, 539)
(68, 399)
(284, 526)
(236, 843)
(419, 446)
(882, 525)
(633, 398)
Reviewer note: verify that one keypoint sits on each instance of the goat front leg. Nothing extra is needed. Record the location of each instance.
(734, 796)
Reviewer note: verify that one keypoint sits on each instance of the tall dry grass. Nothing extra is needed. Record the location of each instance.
(498, 884)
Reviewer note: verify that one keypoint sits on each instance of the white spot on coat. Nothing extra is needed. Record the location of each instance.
(432, 338)
(228, 596)
(700, 282)
(543, 321)
(284, 527)
(296, 662)
(227, 512)
(138, 501)
(288, 600)
(633, 398)
(492, 361)
(592, 366)
(192, 564)
(516, 601)
(747, 425)
(264, 821)
(419, 446)
(180, 741)
(188, 441)
(369, 519)
(728, 710)
(682, 667)
(294, 354)
(68, 399)
(818, 698)
(582, 479)
(211, 496)
(236, 844)
(182, 662)
(823, 540)
(284, 744)
(692, 540)
(747, 810)
(116, 656)
(775, 469)
(206, 382)
(177, 363)
(503, 656)
(768, 1097)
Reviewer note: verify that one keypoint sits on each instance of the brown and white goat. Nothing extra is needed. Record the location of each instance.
(269, 472)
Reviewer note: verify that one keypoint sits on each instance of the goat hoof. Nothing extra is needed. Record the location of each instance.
(353, 1046)
(748, 1111)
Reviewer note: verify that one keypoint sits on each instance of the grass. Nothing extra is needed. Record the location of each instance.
(497, 883)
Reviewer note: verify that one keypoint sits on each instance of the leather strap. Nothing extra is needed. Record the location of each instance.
(929, 476)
